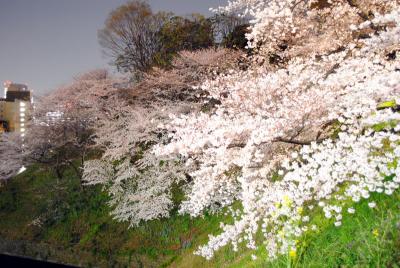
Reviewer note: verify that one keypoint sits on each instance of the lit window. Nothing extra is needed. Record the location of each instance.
(22, 110)
(22, 129)
(22, 119)
(22, 124)
(22, 114)
(22, 104)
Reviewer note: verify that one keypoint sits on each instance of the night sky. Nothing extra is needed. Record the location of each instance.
(45, 43)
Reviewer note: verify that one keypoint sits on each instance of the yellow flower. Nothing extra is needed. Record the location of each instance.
(300, 210)
(292, 253)
(281, 233)
(375, 232)
(287, 202)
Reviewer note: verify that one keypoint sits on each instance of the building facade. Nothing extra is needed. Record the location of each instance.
(15, 108)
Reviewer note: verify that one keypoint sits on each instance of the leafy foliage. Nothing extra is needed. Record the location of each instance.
(136, 39)
(237, 38)
(180, 33)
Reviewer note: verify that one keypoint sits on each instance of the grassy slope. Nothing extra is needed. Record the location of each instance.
(369, 238)
(77, 229)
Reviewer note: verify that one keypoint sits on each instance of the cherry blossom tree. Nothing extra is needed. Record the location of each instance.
(11, 155)
(234, 150)
(283, 29)
(337, 62)
(139, 182)
(62, 131)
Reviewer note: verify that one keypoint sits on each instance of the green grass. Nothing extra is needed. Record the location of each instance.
(76, 228)
(369, 238)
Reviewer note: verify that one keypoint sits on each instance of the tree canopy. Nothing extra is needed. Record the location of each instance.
(131, 36)
(136, 38)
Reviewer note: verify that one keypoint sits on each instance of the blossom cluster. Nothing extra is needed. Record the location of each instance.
(140, 183)
(301, 26)
(329, 177)
(324, 119)
(11, 155)
(233, 147)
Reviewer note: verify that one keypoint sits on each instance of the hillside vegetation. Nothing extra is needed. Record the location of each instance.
(283, 153)
(61, 223)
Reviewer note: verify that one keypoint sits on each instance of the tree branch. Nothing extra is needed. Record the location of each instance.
(284, 140)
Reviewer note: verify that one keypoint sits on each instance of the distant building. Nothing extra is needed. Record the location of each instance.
(15, 107)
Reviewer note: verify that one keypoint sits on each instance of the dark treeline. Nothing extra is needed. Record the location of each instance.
(136, 38)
